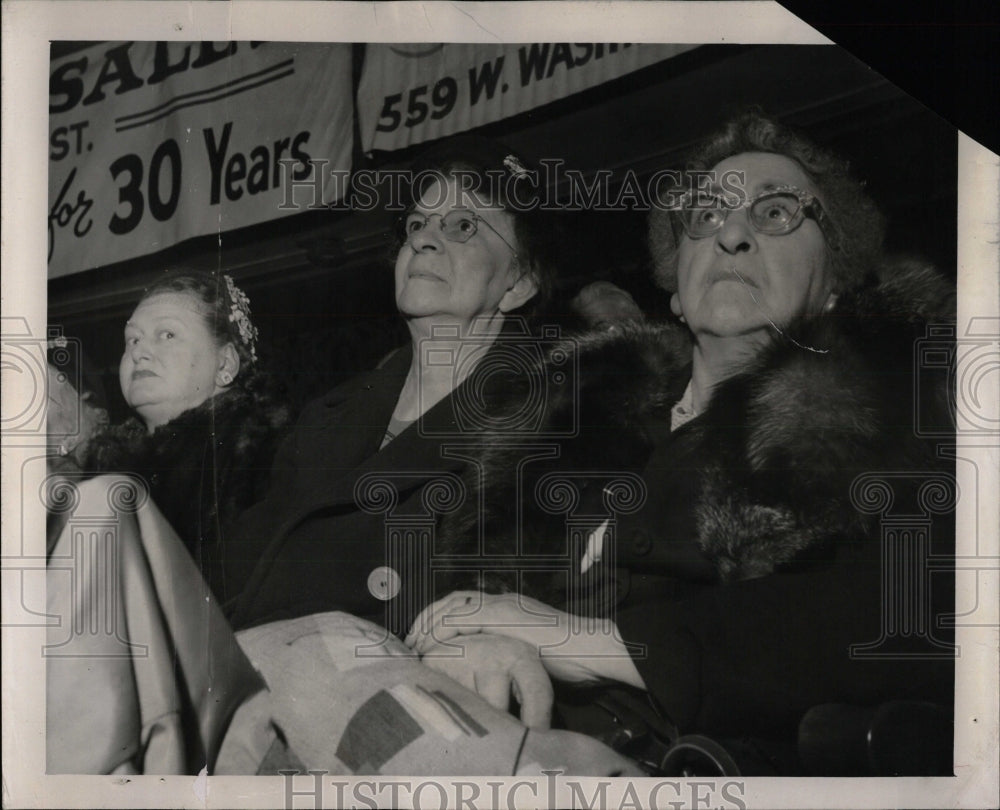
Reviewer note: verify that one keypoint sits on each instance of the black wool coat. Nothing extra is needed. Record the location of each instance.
(346, 524)
(745, 551)
(203, 468)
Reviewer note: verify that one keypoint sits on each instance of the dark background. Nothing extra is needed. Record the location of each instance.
(320, 282)
(945, 54)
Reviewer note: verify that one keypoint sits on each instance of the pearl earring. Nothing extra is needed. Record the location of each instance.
(226, 378)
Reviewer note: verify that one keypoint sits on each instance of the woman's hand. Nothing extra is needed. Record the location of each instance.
(572, 648)
(470, 612)
(495, 667)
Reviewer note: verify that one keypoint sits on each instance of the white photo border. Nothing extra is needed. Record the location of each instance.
(27, 29)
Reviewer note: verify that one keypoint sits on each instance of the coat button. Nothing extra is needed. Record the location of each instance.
(641, 541)
(384, 583)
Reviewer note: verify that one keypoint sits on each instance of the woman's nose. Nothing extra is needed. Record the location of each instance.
(427, 238)
(138, 351)
(736, 235)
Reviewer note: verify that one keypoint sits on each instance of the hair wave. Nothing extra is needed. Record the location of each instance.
(858, 224)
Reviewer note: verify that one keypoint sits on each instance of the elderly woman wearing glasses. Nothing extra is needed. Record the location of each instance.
(467, 258)
(733, 474)
(359, 485)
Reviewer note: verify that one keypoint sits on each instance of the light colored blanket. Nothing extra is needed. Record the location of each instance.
(144, 674)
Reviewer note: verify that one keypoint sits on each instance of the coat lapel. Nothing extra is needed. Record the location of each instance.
(357, 426)
(358, 421)
(414, 455)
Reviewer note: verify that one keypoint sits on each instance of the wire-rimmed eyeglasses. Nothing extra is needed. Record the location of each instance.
(458, 225)
(775, 212)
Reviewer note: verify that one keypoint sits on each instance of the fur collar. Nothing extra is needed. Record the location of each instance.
(240, 416)
(212, 460)
(779, 444)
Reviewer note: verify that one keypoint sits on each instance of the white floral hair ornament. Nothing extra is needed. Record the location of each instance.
(513, 164)
(239, 314)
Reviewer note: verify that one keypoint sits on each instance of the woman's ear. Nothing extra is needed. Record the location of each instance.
(675, 306)
(522, 291)
(229, 366)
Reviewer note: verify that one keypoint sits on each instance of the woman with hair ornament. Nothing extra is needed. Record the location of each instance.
(206, 417)
(169, 687)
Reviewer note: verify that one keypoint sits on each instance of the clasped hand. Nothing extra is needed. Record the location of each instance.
(572, 648)
(497, 667)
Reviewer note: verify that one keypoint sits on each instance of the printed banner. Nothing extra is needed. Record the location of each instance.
(151, 143)
(419, 92)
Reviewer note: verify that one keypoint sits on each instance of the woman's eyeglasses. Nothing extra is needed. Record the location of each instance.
(775, 212)
(458, 225)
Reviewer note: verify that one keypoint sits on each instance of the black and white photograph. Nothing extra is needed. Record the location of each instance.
(405, 408)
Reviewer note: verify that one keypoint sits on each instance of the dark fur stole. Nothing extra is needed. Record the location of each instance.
(204, 467)
(778, 448)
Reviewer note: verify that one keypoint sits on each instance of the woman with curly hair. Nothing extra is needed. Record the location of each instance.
(206, 419)
(725, 553)
(471, 260)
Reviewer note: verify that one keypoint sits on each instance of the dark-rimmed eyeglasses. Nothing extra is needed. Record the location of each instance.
(458, 225)
(775, 212)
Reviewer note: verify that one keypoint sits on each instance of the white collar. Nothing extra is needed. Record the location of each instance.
(683, 412)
